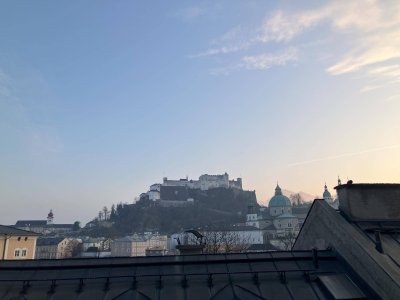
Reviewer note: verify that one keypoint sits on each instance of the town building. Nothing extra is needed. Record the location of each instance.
(16, 243)
(44, 226)
(136, 245)
(100, 243)
(50, 247)
(96, 247)
(57, 247)
(364, 233)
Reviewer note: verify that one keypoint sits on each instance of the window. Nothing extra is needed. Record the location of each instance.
(16, 252)
(19, 238)
(23, 252)
(26, 238)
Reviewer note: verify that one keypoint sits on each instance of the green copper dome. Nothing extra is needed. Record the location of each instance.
(279, 199)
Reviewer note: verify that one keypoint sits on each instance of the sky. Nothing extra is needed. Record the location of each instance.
(101, 99)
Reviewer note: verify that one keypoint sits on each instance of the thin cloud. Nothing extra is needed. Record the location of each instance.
(267, 60)
(235, 40)
(222, 50)
(393, 98)
(262, 61)
(283, 27)
(387, 71)
(363, 58)
(369, 88)
(343, 155)
(372, 39)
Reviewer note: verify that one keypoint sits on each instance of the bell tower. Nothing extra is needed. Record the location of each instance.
(50, 217)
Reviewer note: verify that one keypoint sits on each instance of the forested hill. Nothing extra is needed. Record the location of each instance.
(215, 207)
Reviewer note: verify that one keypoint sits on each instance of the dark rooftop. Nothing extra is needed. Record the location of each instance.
(264, 275)
(30, 223)
(370, 246)
(8, 230)
(47, 241)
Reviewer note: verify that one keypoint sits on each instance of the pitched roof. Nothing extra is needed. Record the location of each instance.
(60, 225)
(262, 247)
(40, 223)
(372, 248)
(47, 241)
(286, 216)
(8, 230)
(260, 275)
(30, 223)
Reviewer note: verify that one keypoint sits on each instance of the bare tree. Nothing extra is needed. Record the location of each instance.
(287, 240)
(100, 216)
(225, 242)
(105, 244)
(296, 199)
(105, 213)
(213, 242)
(73, 248)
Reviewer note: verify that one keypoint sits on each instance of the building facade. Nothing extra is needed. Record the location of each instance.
(137, 245)
(17, 243)
(57, 247)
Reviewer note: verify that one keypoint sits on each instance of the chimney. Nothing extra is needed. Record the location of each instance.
(369, 202)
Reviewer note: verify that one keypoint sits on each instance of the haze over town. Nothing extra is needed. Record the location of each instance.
(98, 100)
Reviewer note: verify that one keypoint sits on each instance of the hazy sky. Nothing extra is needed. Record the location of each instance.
(100, 99)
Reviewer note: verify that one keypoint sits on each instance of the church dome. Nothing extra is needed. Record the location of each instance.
(326, 194)
(279, 199)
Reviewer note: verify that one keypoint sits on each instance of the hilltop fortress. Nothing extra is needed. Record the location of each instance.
(206, 182)
(180, 189)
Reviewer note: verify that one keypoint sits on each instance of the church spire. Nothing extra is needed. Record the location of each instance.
(278, 190)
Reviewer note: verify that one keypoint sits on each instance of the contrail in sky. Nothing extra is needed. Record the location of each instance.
(343, 155)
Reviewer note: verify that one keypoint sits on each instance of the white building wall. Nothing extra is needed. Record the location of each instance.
(153, 195)
(204, 183)
(278, 210)
(286, 224)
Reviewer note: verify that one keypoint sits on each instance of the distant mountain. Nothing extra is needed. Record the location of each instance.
(305, 196)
